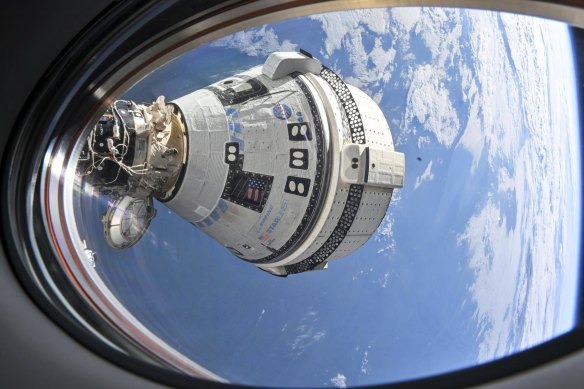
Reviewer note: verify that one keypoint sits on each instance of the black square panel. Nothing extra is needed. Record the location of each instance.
(299, 159)
(297, 186)
(231, 152)
(299, 131)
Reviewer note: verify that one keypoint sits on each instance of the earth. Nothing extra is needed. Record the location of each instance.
(477, 257)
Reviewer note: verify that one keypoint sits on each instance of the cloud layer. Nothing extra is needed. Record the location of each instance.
(255, 42)
(517, 267)
(340, 381)
(426, 176)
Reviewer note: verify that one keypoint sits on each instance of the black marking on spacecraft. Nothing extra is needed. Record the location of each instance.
(234, 251)
(348, 103)
(298, 159)
(366, 179)
(250, 190)
(355, 191)
(269, 248)
(240, 91)
(318, 189)
(336, 237)
(231, 153)
(305, 53)
(298, 186)
(299, 131)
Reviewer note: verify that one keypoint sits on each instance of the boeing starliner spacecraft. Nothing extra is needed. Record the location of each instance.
(285, 164)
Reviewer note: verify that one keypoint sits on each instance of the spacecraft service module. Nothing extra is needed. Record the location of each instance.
(284, 164)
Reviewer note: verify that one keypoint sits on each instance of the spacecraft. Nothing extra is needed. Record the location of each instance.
(285, 164)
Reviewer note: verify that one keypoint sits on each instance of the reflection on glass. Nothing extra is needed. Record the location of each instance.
(475, 259)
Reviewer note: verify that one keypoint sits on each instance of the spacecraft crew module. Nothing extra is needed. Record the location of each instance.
(284, 164)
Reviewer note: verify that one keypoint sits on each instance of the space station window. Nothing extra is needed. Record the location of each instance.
(179, 166)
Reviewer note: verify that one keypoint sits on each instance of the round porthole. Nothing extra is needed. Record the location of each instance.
(407, 179)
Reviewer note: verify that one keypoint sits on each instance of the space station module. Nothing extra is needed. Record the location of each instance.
(285, 164)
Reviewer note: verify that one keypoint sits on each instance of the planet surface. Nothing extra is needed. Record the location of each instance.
(477, 257)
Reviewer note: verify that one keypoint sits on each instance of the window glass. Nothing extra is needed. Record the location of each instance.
(476, 257)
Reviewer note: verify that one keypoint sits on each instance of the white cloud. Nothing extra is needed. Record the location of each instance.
(362, 274)
(426, 176)
(260, 317)
(494, 258)
(306, 334)
(505, 182)
(495, 119)
(423, 141)
(340, 381)
(365, 362)
(428, 102)
(441, 29)
(306, 338)
(371, 69)
(384, 234)
(406, 17)
(256, 42)
(473, 139)
(516, 269)
(337, 25)
(385, 280)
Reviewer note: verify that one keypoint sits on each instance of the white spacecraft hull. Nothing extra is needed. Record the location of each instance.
(279, 199)
(284, 164)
